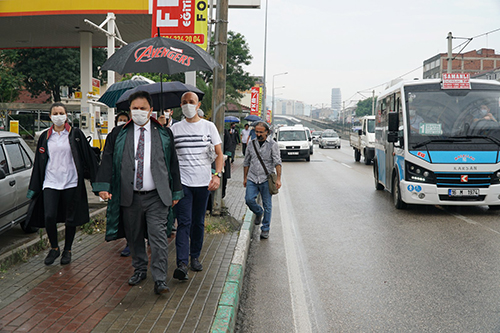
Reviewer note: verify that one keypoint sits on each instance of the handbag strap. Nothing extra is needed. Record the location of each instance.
(260, 158)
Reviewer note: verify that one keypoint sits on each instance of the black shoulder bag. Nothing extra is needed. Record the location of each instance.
(271, 177)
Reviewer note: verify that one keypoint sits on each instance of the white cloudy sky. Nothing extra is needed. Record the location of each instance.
(358, 44)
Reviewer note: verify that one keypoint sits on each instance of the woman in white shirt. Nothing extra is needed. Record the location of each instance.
(57, 184)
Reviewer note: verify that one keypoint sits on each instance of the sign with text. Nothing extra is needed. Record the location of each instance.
(96, 85)
(181, 19)
(269, 115)
(455, 81)
(254, 101)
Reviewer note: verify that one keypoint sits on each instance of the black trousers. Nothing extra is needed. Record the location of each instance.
(59, 201)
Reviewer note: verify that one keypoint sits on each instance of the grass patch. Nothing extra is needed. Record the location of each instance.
(23, 255)
(220, 224)
(96, 225)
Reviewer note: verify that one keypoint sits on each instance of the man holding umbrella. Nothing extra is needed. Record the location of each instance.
(198, 144)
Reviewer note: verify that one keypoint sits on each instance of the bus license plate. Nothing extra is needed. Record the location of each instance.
(472, 192)
(293, 153)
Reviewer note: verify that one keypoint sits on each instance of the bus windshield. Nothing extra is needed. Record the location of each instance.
(464, 117)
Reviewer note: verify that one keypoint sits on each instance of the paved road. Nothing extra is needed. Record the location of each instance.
(340, 258)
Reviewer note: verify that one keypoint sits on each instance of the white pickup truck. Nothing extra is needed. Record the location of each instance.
(362, 140)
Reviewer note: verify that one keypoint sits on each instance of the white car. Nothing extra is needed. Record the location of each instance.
(16, 164)
(329, 139)
(293, 142)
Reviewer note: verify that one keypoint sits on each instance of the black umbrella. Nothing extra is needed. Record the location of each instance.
(113, 93)
(160, 55)
(171, 92)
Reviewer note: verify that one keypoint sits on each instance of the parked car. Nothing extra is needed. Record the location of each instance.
(16, 164)
(293, 142)
(329, 139)
(315, 136)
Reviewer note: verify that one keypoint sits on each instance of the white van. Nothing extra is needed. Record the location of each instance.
(293, 142)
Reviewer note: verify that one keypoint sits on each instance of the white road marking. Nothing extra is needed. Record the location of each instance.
(470, 221)
(347, 166)
(300, 312)
(328, 157)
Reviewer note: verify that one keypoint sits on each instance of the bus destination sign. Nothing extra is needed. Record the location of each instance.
(456, 81)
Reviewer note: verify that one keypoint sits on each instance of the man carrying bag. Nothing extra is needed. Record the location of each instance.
(261, 159)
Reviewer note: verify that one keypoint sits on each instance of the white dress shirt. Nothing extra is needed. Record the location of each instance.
(60, 172)
(148, 182)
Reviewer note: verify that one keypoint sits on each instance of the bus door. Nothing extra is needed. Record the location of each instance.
(389, 146)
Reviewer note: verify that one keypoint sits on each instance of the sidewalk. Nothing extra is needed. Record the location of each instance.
(92, 294)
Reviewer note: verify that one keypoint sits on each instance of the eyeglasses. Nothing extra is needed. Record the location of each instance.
(260, 132)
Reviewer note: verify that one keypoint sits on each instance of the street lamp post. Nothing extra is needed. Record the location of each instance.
(272, 112)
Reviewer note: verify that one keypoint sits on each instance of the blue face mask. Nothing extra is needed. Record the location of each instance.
(484, 112)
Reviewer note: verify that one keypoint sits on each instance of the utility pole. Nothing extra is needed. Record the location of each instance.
(450, 55)
(219, 88)
(373, 102)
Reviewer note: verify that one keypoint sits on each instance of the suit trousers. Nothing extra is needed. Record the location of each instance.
(147, 217)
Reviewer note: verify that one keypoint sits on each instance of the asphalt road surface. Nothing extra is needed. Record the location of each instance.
(341, 258)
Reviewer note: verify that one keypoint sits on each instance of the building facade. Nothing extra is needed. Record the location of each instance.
(336, 101)
(472, 62)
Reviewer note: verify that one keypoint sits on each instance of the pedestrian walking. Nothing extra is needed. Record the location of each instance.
(245, 135)
(139, 175)
(121, 119)
(63, 155)
(198, 144)
(255, 177)
(234, 139)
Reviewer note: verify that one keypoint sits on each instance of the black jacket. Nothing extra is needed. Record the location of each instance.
(85, 159)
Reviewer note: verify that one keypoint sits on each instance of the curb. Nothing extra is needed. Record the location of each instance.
(9, 257)
(225, 317)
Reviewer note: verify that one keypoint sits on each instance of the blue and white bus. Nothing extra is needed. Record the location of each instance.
(436, 146)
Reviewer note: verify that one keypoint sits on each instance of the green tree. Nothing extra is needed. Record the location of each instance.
(364, 107)
(46, 70)
(10, 82)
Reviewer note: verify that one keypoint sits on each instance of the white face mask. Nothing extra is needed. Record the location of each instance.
(58, 120)
(140, 117)
(167, 115)
(121, 123)
(189, 110)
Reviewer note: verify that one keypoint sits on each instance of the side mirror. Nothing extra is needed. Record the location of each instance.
(360, 132)
(392, 137)
(393, 122)
(310, 139)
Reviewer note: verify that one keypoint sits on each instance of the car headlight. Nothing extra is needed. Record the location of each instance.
(304, 146)
(281, 146)
(416, 173)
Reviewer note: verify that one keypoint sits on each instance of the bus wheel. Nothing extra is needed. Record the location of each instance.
(357, 155)
(396, 194)
(378, 186)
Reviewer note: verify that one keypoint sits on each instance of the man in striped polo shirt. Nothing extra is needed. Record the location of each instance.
(197, 143)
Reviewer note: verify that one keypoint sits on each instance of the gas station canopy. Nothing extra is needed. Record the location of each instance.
(57, 23)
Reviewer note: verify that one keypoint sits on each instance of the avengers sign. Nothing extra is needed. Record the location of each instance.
(181, 19)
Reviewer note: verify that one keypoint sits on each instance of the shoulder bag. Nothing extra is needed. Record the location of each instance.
(271, 177)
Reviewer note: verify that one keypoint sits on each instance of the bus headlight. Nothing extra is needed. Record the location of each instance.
(416, 173)
(495, 177)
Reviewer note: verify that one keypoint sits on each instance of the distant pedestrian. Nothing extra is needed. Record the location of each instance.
(245, 135)
(198, 144)
(166, 118)
(139, 176)
(234, 139)
(57, 184)
(255, 178)
(121, 119)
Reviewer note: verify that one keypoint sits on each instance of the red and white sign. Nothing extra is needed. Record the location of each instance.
(96, 86)
(456, 81)
(420, 154)
(464, 178)
(254, 101)
(181, 19)
(269, 116)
